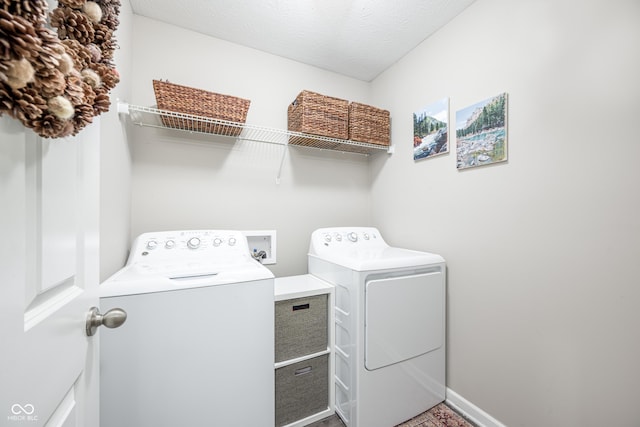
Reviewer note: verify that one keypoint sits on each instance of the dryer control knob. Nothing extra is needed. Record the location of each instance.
(232, 241)
(353, 236)
(338, 237)
(217, 241)
(366, 236)
(193, 243)
(170, 244)
(152, 244)
(327, 238)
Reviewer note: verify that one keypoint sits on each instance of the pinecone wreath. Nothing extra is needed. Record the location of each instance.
(55, 83)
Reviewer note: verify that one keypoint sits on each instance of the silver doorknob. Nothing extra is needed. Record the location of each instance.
(111, 319)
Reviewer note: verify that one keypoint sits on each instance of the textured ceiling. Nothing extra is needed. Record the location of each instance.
(356, 38)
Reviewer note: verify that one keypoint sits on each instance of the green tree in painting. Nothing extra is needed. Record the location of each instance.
(492, 116)
(424, 125)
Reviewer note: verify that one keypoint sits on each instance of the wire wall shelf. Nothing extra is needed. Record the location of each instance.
(153, 117)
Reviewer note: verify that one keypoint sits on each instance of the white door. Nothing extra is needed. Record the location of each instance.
(48, 277)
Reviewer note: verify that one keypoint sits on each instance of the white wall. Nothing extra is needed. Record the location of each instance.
(182, 181)
(543, 250)
(115, 160)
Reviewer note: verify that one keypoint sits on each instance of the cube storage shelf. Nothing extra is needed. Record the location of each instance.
(304, 341)
(153, 117)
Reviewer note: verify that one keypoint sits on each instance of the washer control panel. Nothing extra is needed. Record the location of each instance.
(345, 238)
(353, 235)
(188, 245)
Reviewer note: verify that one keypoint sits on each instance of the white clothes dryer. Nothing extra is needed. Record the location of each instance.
(198, 345)
(389, 325)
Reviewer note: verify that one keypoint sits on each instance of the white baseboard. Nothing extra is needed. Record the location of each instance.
(471, 411)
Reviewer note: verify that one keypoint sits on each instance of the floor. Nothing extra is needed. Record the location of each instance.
(438, 416)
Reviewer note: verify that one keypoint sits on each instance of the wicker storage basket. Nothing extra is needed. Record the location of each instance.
(369, 124)
(318, 114)
(198, 102)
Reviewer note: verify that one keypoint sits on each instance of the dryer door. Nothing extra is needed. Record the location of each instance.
(404, 318)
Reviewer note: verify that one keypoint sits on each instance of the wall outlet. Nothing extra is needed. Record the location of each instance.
(262, 240)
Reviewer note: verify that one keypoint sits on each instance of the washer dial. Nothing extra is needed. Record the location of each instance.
(193, 243)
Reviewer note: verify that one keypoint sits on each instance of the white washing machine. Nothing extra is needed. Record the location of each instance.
(389, 325)
(197, 348)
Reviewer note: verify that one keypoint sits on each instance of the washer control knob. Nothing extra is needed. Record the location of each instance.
(338, 237)
(232, 241)
(170, 244)
(193, 243)
(152, 244)
(353, 236)
(366, 236)
(327, 238)
(217, 242)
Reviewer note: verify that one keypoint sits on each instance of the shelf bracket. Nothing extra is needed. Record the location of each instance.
(122, 107)
(285, 148)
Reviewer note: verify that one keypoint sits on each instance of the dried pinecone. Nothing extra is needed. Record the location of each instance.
(72, 24)
(102, 34)
(49, 126)
(111, 21)
(73, 4)
(49, 58)
(108, 49)
(107, 74)
(51, 48)
(110, 8)
(74, 90)
(69, 129)
(6, 99)
(85, 56)
(88, 93)
(101, 103)
(18, 37)
(28, 105)
(84, 116)
(79, 53)
(31, 10)
(51, 82)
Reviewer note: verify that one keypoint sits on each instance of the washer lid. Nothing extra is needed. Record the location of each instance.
(143, 279)
(364, 249)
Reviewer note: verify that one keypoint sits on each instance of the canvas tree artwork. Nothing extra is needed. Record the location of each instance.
(430, 130)
(481, 133)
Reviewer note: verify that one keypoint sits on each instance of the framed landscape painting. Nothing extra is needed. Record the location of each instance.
(481, 133)
(430, 130)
